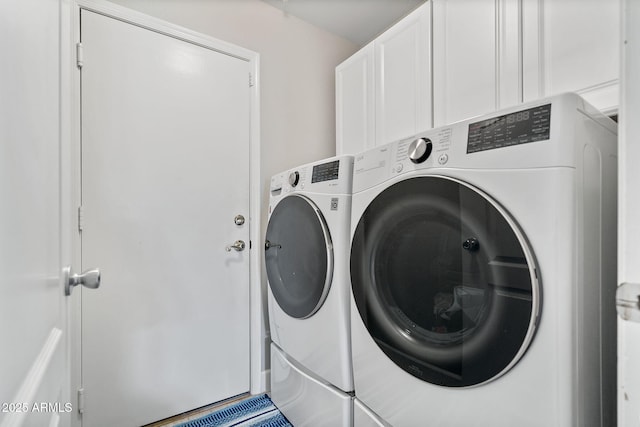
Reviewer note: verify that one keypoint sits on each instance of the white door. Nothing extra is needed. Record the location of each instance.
(34, 372)
(629, 223)
(165, 170)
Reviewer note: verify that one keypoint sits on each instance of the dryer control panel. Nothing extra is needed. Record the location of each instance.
(520, 127)
(329, 176)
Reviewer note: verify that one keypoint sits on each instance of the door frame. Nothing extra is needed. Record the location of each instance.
(71, 159)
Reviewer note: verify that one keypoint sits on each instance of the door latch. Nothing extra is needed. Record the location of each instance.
(628, 301)
(238, 246)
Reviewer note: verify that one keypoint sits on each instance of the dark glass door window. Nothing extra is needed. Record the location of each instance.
(443, 282)
(298, 256)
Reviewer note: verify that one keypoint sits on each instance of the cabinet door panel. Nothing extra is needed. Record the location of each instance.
(572, 45)
(403, 78)
(464, 49)
(355, 103)
(476, 57)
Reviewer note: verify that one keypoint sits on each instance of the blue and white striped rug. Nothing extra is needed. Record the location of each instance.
(255, 411)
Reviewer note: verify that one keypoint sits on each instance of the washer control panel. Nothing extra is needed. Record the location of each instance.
(431, 148)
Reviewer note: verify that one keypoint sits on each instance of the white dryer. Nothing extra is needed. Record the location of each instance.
(483, 268)
(307, 263)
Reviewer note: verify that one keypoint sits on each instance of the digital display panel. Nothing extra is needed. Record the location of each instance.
(516, 128)
(325, 171)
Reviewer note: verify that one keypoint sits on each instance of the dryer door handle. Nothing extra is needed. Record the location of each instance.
(268, 245)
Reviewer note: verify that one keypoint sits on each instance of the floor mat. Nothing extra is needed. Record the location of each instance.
(255, 411)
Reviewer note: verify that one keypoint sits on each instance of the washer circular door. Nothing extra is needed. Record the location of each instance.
(444, 281)
(298, 256)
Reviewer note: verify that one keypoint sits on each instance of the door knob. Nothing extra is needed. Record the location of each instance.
(237, 246)
(89, 279)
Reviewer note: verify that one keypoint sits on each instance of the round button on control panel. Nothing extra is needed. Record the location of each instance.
(294, 178)
(420, 150)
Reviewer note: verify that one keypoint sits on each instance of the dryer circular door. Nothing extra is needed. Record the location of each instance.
(298, 256)
(444, 281)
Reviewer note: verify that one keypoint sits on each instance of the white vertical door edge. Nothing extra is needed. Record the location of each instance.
(629, 214)
(70, 161)
(533, 50)
(509, 53)
(71, 130)
(34, 366)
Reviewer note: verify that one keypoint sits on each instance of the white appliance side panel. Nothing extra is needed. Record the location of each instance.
(629, 214)
(304, 400)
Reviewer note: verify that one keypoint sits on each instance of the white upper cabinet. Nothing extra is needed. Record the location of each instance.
(355, 103)
(572, 45)
(403, 77)
(487, 55)
(476, 62)
(383, 92)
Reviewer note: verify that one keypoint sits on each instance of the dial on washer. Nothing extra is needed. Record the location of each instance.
(294, 177)
(420, 149)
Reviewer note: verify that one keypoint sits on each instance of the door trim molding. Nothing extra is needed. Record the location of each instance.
(71, 126)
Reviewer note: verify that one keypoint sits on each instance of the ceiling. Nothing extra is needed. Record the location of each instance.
(359, 21)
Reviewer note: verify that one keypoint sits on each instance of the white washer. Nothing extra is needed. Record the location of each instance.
(307, 263)
(483, 269)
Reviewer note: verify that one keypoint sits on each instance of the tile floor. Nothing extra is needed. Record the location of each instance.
(197, 413)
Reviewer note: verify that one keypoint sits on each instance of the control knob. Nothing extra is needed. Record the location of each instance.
(294, 177)
(420, 149)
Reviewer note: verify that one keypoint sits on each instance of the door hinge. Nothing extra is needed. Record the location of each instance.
(250, 80)
(628, 301)
(81, 400)
(79, 56)
(80, 217)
